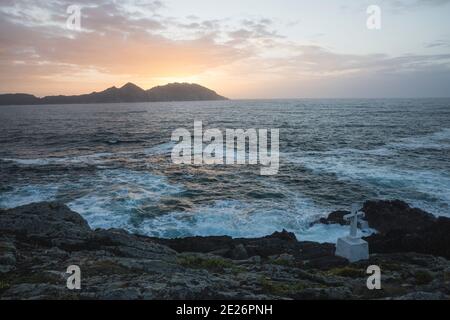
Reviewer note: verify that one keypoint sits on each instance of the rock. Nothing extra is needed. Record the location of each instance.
(255, 260)
(123, 294)
(44, 219)
(7, 262)
(276, 243)
(198, 244)
(7, 256)
(401, 228)
(339, 293)
(405, 229)
(286, 257)
(335, 217)
(128, 245)
(420, 295)
(283, 235)
(52, 223)
(39, 241)
(239, 253)
(386, 216)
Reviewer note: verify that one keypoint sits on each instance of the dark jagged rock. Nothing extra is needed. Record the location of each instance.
(283, 235)
(386, 216)
(401, 228)
(239, 252)
(198, 244)
(336, 217)
(50, 223)
(276, 243)
(127, 93)
(405, 229)
(39, 241)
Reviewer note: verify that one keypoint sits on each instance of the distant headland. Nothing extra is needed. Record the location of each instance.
(127, 93)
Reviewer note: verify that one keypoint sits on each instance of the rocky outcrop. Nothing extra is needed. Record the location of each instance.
(47, 223)
(396, 215)
(308, 254)
(39, 241)
(401, 228)
(335, 217)
(405, 229)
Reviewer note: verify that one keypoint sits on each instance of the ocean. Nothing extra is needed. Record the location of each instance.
(111, 163)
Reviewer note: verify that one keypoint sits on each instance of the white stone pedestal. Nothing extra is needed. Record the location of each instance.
(353, 249)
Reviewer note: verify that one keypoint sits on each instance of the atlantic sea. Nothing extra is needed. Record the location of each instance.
(111, 163)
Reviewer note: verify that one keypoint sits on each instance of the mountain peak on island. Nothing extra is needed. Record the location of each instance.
(182, 91)
(129, 92)
(131, 86)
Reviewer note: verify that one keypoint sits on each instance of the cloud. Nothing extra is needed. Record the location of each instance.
(437, 43)
(112, 42)
(135, 41)
(413, 4)
(121, 39)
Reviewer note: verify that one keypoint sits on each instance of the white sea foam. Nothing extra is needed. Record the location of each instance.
(163, 148)
(30, 162)
(118, 194)
(439, 140)
(114, 197)
(93, 158)
(110, 206)
(242, 219)
(328, 233)
(88, 158)
(419, 187)
(390, 181)
(27, 194)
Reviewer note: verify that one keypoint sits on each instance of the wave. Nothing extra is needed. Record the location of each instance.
(160, 149)
(128, 200)
(243, 219)
(92, 158)
(116, 196)
(113, 191)
(439, 140)
(23, 195)
(88, 158)
(387, 173)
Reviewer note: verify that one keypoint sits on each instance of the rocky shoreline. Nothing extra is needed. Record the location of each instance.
(39, 241)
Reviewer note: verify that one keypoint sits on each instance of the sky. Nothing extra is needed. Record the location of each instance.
(242, 49)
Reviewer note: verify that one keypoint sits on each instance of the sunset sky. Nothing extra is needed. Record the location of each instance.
(240, 48)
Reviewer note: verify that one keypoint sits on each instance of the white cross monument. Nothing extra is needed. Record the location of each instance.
(352, 247)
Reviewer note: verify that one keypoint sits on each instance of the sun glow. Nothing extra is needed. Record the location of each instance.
(287, 51)
(179, 79)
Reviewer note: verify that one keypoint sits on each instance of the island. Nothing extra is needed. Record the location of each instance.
(127, 93)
